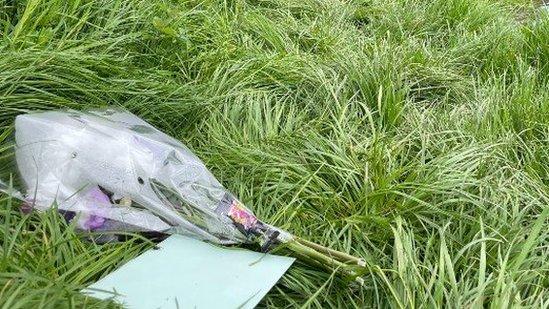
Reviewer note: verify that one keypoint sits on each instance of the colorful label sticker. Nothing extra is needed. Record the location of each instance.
(241, 215)
(243, 218)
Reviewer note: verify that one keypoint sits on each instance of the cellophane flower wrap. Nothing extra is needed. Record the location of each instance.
(112, 171)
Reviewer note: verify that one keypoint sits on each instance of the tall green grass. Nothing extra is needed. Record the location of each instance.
(412, 133)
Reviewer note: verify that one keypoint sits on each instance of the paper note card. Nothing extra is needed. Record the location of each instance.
(187, 273)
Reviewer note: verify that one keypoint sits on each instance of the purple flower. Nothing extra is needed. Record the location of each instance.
(93, 222)
(97, 204)
(98, 196)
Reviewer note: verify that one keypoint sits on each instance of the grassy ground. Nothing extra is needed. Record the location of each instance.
(413, 133)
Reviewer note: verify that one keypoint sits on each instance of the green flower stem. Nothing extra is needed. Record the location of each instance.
(340, 256)
(322, 259)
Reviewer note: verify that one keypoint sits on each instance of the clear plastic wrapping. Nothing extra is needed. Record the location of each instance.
(112, 171)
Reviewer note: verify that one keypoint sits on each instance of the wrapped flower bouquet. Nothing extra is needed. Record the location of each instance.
(111, 171)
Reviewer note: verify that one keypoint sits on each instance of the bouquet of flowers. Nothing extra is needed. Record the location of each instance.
(111, 171)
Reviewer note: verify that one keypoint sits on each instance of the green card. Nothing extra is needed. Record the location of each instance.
(187, 273)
